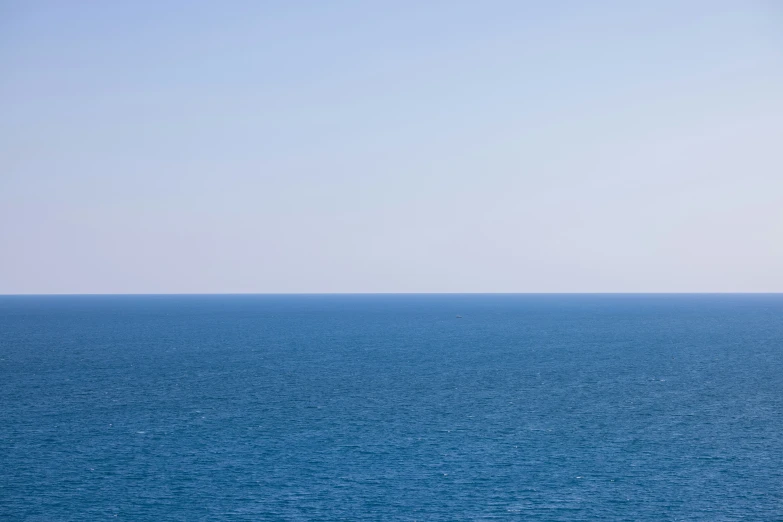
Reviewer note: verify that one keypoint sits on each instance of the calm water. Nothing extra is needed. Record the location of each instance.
(391, 408)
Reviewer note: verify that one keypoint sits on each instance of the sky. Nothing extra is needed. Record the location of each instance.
(391, 146)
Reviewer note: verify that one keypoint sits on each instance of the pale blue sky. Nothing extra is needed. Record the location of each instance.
(493, 146)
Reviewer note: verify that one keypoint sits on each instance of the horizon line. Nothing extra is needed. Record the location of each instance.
(163, 294)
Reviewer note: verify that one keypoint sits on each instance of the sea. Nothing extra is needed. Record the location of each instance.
(391, 407)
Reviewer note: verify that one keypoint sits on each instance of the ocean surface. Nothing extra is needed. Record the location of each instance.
(390, 407)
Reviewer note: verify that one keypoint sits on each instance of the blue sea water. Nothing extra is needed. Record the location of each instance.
(389, 407)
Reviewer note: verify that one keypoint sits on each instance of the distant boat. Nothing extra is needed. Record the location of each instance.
(459, 317)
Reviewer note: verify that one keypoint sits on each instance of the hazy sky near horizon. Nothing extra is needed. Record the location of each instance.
(391, 146)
